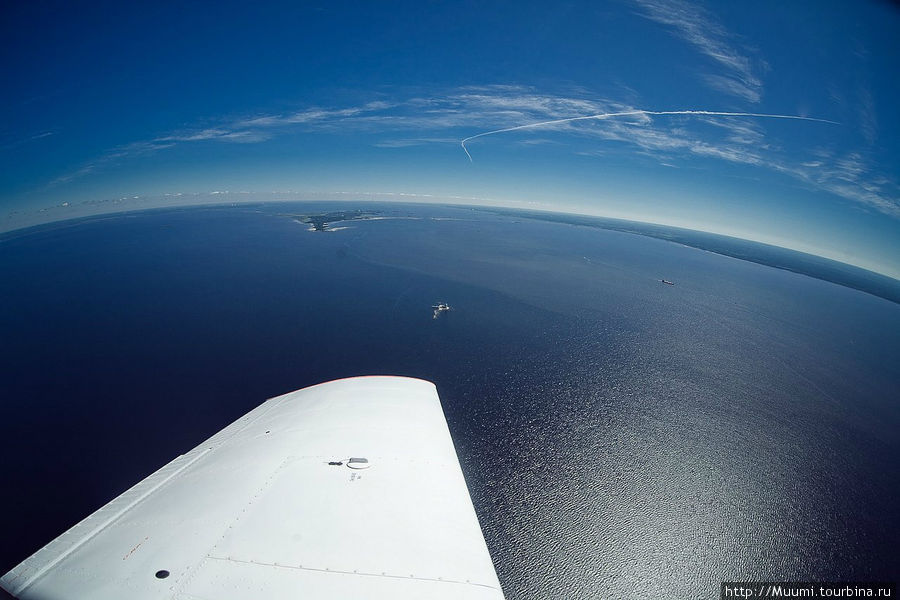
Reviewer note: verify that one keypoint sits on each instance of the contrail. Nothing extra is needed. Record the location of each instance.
(629, 113)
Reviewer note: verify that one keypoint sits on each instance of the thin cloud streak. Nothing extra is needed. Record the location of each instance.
(15, 144)
(734, 137)
(407, 142)
(867, 116)
(630, 113)
(692, 24)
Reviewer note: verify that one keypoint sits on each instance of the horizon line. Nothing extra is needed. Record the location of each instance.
(217, 198)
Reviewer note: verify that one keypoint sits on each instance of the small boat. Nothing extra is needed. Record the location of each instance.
(439, 308)
(667, 282)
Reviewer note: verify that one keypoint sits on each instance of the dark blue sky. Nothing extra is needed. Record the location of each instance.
(111, 101)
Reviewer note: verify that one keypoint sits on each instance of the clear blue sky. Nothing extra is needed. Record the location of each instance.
(106, 101)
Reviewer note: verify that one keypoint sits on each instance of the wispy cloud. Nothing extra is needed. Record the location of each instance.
(665, 137)
(309, 115)
(217, 134)
(640, 113)
(851, 176)
(407, 142)
(693, 24)
(9, 145)
(114, 156)
(867, 117)
(72, 175)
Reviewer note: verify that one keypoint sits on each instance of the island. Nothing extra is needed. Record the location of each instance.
(326, 221)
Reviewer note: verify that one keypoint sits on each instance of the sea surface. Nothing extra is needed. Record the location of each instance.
(620, 437)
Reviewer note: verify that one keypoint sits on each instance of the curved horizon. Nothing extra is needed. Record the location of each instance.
(561, 121)
(64, 213)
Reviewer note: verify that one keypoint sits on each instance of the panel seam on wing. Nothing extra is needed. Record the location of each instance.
(237, 427)
(107, 523)
(183, 582)
(360, 573)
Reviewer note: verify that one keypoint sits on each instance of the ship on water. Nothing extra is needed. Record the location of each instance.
(439, 308)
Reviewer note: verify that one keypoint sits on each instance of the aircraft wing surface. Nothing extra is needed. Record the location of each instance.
(259, 511)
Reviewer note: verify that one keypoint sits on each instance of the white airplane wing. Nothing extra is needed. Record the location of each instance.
(259, 511)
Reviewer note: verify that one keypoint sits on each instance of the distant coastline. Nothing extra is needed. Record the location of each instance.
(802, 263)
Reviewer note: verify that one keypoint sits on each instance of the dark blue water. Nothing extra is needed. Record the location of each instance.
(620, 437)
